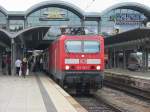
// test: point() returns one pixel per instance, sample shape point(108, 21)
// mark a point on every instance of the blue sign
point(126, 18)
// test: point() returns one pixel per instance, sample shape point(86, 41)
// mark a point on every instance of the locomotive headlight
point(98, 67)
point(67, 67)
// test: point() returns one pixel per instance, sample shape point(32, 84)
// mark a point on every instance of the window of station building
point(3, 21)
point(122, 19)
point(53, 16)
point(91, 26)
point(16, 25)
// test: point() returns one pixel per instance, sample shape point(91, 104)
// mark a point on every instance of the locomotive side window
point(73, 46)
point(91, 47)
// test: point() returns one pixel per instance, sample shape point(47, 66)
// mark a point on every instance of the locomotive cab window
point(91, 47)
point(72, 46)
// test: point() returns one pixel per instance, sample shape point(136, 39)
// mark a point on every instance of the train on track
point(76, 61)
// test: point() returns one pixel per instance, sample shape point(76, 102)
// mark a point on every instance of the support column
point(13, 56)
point(7, 27)
point(114, 58)
point(146, 60)
point(23, 46)
point(124, 59)
point(117, 60)
point(82, 22)
point(99, 27)
point(18, 52)
point(128, 53)
point(143, 60)
point(1, 60)
point(110, 59)
point(25, 23)
point(23, 54)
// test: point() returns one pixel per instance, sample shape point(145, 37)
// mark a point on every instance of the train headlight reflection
point(67, 67)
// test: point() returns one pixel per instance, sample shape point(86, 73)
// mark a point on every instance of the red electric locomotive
point(77, 62)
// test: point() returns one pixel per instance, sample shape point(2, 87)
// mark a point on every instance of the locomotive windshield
point(91, 46)
point(82, 46)
point(73, 46)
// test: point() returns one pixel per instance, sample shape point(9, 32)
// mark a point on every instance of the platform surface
point(34, 94)
point(134, 74)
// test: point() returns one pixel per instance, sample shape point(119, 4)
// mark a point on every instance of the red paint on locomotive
point(66, 65)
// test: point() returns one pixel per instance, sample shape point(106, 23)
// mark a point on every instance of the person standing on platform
point(24, 67)
point(18, 65)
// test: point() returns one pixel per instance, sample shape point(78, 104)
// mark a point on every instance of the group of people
point(21, 67)
point(34, 64)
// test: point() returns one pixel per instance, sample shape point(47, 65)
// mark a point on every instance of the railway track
point(129, 90)
point(92, 104)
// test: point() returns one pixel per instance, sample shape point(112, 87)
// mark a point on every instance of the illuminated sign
point(54, 15)
point(126, 18)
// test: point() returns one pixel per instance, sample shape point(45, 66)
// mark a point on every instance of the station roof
point(86, 5)
point(137, 6)
point(139, 36)
point(5, 41)
point(95, 10)
point(31, 37)
point(57, 3)
point(33, 33)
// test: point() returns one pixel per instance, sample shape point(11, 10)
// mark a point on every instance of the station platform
point(136, 74)
point(129, 79)
point(35, 93)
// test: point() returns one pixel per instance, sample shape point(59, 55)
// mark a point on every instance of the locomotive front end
point(84, 63)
